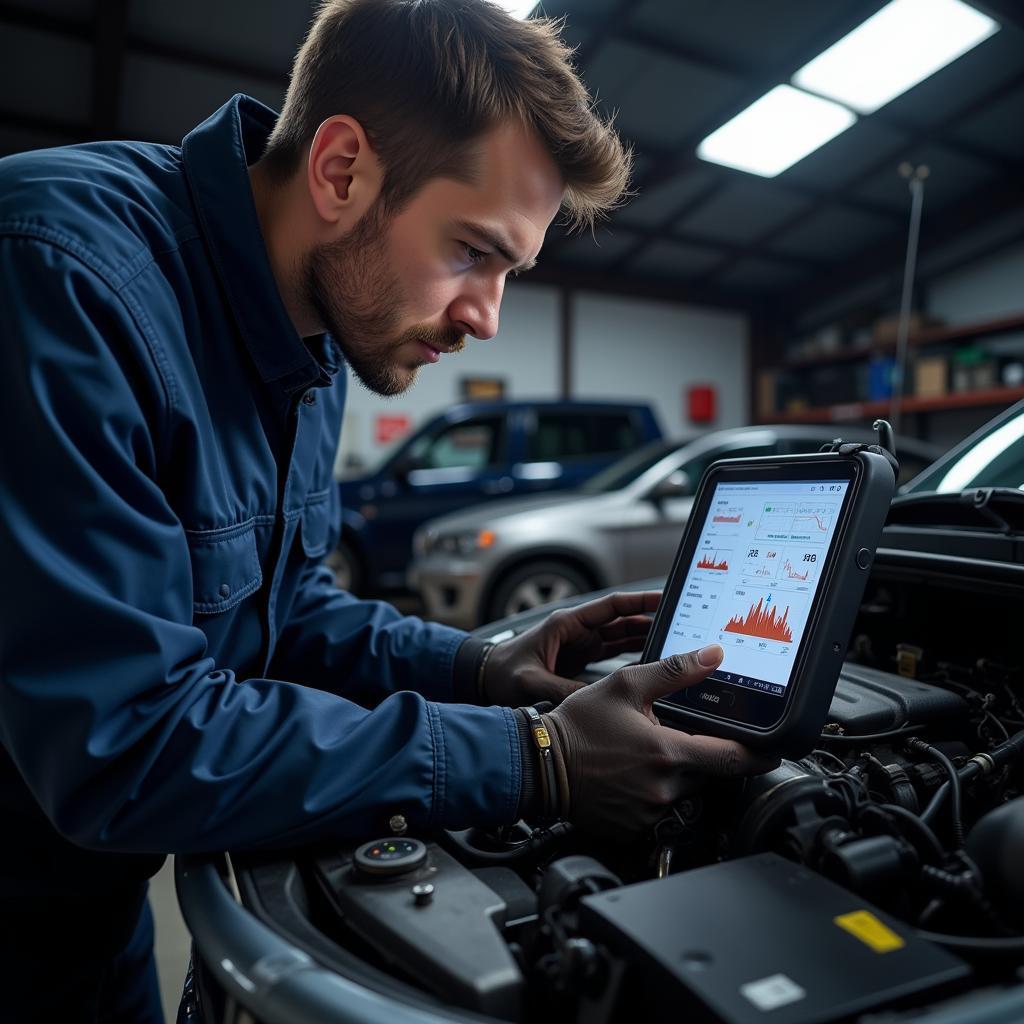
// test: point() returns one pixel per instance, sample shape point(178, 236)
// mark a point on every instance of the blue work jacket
point(177, 671)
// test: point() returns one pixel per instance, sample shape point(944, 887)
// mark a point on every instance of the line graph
point(762, 621)
point(789, 572)
point(721, 518)
point(795, 521)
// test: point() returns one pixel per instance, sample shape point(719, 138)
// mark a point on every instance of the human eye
point(473, 254)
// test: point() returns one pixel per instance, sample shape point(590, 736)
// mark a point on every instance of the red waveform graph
point(792, 574)
point(822, 523)
point(707, 562)
point(762, 622)
point(721, 518)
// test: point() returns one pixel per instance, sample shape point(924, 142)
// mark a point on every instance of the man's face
point(397, 294)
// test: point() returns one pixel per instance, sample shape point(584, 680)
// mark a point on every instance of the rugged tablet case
point(827, 633)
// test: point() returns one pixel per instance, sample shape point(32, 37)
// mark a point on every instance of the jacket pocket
point(316, 523)
point(225, 567)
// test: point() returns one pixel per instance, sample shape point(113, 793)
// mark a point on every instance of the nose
point(475, 310)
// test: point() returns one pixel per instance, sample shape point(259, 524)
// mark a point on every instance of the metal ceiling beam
point(606, 28)
point(606, 283)
point(684, 155)
point(724, 176)
point(887, 256)
point(933, 133)
point(677, 214)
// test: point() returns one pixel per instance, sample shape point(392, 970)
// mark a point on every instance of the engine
point(881, 876)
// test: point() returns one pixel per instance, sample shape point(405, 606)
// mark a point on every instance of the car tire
point(346, 566)
point(534, 584)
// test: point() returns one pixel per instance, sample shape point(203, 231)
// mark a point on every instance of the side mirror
point(675, 485)
point(403, 466)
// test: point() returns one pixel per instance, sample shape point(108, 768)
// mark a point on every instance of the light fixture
point(783, 126)
point(518, 8)
point(899, 46)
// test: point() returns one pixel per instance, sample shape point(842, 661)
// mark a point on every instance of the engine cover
point(758, 939)
point(868, 701)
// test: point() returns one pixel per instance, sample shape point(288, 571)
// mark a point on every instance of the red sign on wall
point(701, 401)
point(391, 428)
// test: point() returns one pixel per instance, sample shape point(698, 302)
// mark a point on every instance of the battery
point(760, 940)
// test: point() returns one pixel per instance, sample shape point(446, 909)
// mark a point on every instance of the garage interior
point(722, 297)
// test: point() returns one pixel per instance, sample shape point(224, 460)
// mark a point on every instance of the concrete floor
point(172, 939)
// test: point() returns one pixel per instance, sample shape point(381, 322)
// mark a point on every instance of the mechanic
point(177, 671)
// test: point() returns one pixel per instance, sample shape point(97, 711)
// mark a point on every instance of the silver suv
point(624, 524)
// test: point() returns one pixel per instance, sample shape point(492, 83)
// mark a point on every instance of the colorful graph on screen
point(723, 518)
point(762, 621)
point(790, 572)
point(714, 562)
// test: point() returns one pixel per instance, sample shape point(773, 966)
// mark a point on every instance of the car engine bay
point(880, 877)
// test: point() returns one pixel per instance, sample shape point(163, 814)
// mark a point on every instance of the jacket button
point(225, 590)
point(309, 398)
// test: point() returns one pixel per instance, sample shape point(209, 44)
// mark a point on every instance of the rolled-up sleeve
point(127, 732)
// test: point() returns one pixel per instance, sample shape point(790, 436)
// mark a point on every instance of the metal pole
point(916, 176)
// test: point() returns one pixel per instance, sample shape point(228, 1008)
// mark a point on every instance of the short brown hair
point(426, 78)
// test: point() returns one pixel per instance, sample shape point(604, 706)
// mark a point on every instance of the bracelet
point(480, 698)
point(549, 782)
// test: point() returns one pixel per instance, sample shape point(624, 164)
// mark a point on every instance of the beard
point(349, 284)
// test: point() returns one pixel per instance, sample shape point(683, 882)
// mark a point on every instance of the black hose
point(1001, 756)
point(925, 835)
point(956, 792)
point(976, 943)
point(874, 737)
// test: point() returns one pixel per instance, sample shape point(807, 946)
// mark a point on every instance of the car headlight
point(466, 542)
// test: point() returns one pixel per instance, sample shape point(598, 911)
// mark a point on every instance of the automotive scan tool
point(772, 566)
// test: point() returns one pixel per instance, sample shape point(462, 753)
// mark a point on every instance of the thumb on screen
point(657, 679)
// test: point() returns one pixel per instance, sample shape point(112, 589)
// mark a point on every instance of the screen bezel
point(715, 698)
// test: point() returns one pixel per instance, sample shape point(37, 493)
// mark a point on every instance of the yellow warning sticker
point(863, 925)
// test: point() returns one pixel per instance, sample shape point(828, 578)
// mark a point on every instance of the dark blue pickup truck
point(469, 454)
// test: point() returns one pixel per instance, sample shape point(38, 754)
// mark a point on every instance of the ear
point(343, 174)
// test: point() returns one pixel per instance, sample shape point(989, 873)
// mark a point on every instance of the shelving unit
point(927, 338)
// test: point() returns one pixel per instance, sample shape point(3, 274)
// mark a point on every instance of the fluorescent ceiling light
point(901, 45)
point(518, 8)
point(783, 126)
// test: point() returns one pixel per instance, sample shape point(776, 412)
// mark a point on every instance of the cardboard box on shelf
point(886, 328)
point(767, 400)
point(931, 375)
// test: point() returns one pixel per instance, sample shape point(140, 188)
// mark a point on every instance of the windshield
point(626, 470)
point(994, 457)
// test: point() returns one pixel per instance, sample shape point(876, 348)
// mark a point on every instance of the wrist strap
point(548, 776)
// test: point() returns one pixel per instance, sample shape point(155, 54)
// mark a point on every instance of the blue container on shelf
point(881, 370)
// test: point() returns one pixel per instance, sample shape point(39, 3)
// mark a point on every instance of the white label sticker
point(772, 992)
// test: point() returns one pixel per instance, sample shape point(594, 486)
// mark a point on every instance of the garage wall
point(984, 290)
point(653, 351)
point(621, 348)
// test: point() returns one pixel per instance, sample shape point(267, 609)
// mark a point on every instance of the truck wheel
point(344, 563)
point(535, 584)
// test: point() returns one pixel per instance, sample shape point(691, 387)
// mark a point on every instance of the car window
point(625, 470)
point(695, 467)
point(472, 444)
point(993, 458)
point(563, 436)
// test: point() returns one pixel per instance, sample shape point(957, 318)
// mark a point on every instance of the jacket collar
point(216, 155)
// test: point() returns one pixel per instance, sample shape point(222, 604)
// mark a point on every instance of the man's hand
point(540, 664)
point(624, 768)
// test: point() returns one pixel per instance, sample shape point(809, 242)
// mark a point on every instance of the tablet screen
point(754, 576)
